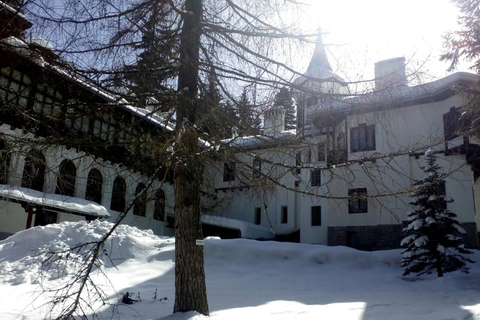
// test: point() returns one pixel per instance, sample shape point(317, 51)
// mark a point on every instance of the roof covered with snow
point(398, 96)
point(248, 230)
point(21, 47)
point(14, 13)
point(54, 202)
point(264, 141)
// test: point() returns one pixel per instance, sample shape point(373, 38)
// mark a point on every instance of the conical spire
point(319, 64)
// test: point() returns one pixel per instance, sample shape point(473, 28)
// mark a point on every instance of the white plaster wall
point(13, 217)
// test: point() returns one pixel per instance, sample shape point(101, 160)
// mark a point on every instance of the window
point(454, 124)
point(258, 215)
point(298, 162)
point(358, 202)
point(316, 177)
point(284, 214)
point(4, 161)
point(362, 138)
point(257, 168)
point(66, 179)
point(316, 216)
point(118, 194)
point(321, 152)
point(34, 171)
point(159, 209)
point(140, 205)
point(309, 155)
point(229, 171)
point(94, 186)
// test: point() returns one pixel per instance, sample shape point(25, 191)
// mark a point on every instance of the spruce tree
point(434, 239)
point(147, 77)
point(249, 122)
point(284, 98)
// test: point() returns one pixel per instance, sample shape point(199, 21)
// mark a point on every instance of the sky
point(360, 33)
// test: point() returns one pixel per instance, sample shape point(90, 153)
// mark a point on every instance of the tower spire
point(319, 63)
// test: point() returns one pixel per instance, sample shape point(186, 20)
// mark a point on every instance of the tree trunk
point(190, 288)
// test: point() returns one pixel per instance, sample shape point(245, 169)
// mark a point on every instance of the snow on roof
point(53, 201)
point(22, 48)
point(248, 230)
point(14, 12)
point(261, 140)
point(397, 95)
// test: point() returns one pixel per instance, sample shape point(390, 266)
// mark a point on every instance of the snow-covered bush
point(433, 238)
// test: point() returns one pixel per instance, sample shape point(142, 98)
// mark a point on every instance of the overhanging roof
point(53, 202)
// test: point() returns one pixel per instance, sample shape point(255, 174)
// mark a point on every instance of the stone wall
point(383, 237)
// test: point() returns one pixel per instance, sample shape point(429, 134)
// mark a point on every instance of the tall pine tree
point(434, 239)
point(284, 98)
point(249, 122)
point(147, 77)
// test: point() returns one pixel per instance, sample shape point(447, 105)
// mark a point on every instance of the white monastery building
point(343, 177)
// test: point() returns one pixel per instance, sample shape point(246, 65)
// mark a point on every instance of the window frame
point(363, 138)
point(315, 177)
point(357, 204)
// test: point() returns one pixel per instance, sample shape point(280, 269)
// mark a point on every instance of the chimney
point(390, 73)
point(274, 121)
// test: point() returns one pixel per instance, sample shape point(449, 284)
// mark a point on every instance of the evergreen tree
point(284, 98)
point(230, 117)
point(148, 76)
point(434, 235)
point(249, 121)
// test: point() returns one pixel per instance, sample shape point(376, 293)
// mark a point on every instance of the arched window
point(94, 186)
point(34, 171)
point(4, 161)
point(118, 194)
point(140, 205)
point(159, 209)
point(66, 179)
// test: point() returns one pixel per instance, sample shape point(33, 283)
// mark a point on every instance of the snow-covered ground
point(245, 279)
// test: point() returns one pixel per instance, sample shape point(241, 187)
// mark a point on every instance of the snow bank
point(23, 256)
point(246, 279)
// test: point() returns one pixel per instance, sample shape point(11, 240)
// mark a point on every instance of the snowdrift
point(246, 279)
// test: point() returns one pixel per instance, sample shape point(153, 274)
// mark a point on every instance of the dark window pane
point(140, 205)
point(34, 171)
point(284, 214)
point(229, 171)
point(316, 216)
point(159, 209)
point(4, 161)
point(66, 179)
point(94, 186)
point(315, 177)
point(118, 194)
point(258, 215)
point(358, 202)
